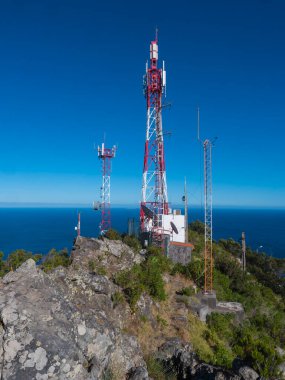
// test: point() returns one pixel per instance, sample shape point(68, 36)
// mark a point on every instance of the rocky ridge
point(65, 324)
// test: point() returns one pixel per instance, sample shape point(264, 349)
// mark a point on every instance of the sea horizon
point(39, 229)
point(131, 205)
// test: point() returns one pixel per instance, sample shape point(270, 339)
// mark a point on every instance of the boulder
point(62, 325)
point(248, 373)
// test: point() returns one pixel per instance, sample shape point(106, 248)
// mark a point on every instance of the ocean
point(40, 229)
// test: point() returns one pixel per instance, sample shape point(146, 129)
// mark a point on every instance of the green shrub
point(145, 277)
point(117, 299)
point(161, 321)
point(132, 242)
point(157, 371)
point(3, 266)
point(143, 318)
point(113, 234)
point(222, 325)
point(231, 246)
point(91, 265)
point(96, 268)
point(259, 352)
point(188, 291)
point(18, 257)
point(55, 259)
point(155, 368)
point(223, 356)
point(197, 226)
point(132, 283)
point(178, 268)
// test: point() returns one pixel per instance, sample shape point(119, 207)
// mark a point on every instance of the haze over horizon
point(72, 71)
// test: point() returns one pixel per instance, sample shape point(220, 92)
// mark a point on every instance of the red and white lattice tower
point(106, 155)
point(154, 187)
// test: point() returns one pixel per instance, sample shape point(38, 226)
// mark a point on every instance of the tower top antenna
point(156, 34)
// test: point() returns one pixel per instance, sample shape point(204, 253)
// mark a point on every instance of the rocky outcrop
point(73, 323)
point(63, 325)
point(112, 255)
point(180, 357)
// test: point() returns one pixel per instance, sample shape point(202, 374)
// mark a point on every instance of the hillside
point(111, 311)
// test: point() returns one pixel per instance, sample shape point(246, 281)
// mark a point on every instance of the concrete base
point(209, 299)
point(205, 304)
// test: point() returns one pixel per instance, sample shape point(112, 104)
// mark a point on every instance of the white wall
point(179, 222)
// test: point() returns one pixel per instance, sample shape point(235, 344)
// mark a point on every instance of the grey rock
point(209, 372)
point(62, 325)
point(204, 311)
point(113, 255)
point(139, 373)
point(248, 373)
point(181, 357)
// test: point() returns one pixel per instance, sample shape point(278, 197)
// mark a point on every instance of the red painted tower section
point(154, 187)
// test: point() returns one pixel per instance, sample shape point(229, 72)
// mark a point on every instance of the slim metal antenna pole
point(243, 260)
point(186, 211)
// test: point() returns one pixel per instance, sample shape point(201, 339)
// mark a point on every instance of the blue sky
point(71, 71)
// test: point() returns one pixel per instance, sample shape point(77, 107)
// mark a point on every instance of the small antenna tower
point(243, 245)
point(106, 155)
point(78, 227)
point(208, 213)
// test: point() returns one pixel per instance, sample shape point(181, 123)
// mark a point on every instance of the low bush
point(96, 268)
point(55, 259)
point(17, 258)
point(145, 277)
point(188, 291)
point(132, 242)
point(117, 298)
point(113, 234)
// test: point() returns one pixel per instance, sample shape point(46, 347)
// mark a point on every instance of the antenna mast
point(208, 255)
point(78, 225)
point(243, 259)
point(77, 228)
point(208, 212)
point(154, 187)
point(186, 211)
point(106, 155)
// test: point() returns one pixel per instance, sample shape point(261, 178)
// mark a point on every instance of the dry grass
point(165, 322)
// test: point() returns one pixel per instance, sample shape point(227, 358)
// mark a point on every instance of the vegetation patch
point(261, 292)
point(132, 242)
point(117, 299)
point(157, 370)
point(96, 267)
point(55, 259)
point(145, 277)
point(15, 260)
point(112, 234)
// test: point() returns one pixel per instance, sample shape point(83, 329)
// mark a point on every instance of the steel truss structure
point(154, 186)
point(106, 155)
point(208, 255)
